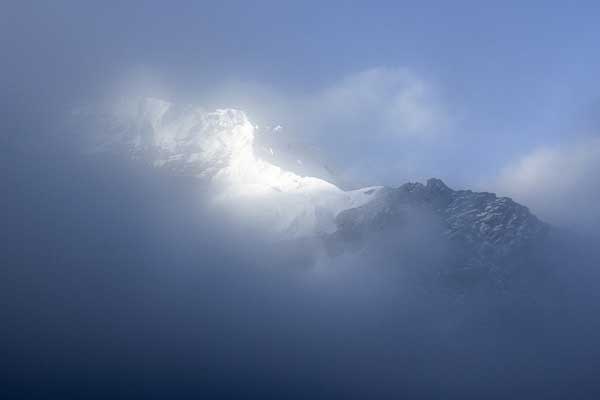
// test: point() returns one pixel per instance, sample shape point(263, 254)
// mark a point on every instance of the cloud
point(375, 122)
point(559, 183)
point(367, 125)
point(388, 100)
point(393, 101)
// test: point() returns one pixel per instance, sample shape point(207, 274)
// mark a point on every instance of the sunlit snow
point(219, 146)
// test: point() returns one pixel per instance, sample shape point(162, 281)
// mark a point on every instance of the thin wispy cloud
point(559, 182)
point(390, 101)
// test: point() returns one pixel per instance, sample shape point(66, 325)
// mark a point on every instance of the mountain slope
point(481, 233)
point(221, 149)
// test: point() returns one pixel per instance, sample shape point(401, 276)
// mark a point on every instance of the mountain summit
point(219, 148)
point(481, 231)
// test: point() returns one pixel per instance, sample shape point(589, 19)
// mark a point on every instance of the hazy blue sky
point(467, 91)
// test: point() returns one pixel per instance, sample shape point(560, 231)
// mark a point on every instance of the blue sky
point(491, 83)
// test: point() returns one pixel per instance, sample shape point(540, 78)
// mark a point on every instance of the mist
point(121, 279)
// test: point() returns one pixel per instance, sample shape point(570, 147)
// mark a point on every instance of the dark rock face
point(483, 231)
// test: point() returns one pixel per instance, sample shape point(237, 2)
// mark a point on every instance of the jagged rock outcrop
point(483, 230)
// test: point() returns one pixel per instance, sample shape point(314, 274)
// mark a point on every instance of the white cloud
point(387, 100)
point(561, 184)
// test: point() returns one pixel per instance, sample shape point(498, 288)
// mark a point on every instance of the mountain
point(220, 149)
point(481, 231)
point(225, 150)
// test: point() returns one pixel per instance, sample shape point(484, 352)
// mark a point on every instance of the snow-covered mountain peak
point(190, 139)
point(219, 147)
point(227, 152)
